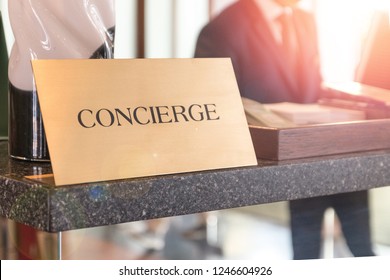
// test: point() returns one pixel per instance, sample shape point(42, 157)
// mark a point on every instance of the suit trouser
point(306, 216)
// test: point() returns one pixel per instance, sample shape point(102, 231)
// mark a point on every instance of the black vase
point(47, 29)
point(3, 82)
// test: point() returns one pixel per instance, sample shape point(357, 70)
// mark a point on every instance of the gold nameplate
point(116, 119)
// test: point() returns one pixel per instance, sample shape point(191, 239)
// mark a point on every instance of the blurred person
point(149, 234)
point(274, 51)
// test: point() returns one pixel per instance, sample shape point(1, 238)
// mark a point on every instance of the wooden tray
point(320, 140)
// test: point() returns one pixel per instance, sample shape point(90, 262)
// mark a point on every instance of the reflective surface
point(254, 233)
point(116, 202)
point(44, 30)
point(3, 82)
point(27, 136)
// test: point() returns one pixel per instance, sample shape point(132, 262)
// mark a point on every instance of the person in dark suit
point(272, 65)
point(242, 33)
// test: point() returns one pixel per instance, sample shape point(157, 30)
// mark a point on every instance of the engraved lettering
point(111, 118)
point(179, 110)
point(161, 112)
point(152, 115)
point(126, 117)
point(80, 119)
point(211, 112)
point(137, 118)
point(198, 112)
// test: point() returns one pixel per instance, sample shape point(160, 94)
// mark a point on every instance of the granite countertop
point(54, 209)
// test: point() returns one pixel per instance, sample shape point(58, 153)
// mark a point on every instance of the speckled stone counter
point(54, 209)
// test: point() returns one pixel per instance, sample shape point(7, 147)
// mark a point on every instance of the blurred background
point(354, 39)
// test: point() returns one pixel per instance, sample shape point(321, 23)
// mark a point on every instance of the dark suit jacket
point(241, 33)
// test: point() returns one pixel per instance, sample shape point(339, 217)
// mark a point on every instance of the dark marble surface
point(54, 209)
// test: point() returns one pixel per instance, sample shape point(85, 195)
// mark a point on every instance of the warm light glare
point(360, 5)
point(365, 4)
point(343, 26)
point(378, 4)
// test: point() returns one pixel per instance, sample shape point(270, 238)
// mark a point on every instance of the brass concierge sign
point(126, 118)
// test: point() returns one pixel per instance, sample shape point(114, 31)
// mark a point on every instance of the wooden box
point(320, 140)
